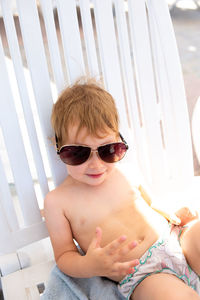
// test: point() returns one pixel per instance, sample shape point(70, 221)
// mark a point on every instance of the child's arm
point(97, 261)
point(181, 217)
point(171, 217)
point(58, 226)
point(137, 180)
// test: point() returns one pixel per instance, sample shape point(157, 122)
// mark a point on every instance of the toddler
point(112, 219)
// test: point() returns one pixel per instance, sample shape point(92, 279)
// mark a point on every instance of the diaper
point(164, 256)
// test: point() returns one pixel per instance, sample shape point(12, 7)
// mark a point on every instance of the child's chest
point(89, 211)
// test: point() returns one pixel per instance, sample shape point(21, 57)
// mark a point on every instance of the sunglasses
point(75, 155)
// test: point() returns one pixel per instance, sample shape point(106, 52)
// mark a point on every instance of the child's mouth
point(95, 175)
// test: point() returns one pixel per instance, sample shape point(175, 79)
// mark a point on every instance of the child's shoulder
point(60, 192)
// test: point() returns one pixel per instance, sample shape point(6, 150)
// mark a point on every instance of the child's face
point(94, 171)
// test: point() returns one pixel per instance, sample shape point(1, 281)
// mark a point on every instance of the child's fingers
point(174, 219)
point(124, 250)
point(114, 245)
point(126, 267)
point(98, 236)
point(96, 241)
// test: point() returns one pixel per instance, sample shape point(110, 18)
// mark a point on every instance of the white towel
point(63, 287)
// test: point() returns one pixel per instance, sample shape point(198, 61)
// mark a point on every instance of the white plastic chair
point(131, 45)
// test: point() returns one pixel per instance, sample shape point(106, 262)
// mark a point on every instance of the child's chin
point(96, 182)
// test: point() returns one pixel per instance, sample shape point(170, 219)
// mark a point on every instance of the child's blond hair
point(87, 105)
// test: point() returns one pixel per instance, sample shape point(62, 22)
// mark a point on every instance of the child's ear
point(52, 140)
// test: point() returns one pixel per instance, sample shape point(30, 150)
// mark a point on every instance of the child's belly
point(145, 240)
point(135, 219)
point(142, 228)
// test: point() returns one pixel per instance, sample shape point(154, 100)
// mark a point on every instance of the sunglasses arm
point(57, 150)
point(123, 140)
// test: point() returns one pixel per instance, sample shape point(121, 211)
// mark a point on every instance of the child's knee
point(192, 295)
point(186, 294)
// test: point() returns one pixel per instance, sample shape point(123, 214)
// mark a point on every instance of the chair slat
point(164, 96)
point(16, 59)
point(129, 83)
point(11, 240)
point(71, 39)
point(176, 86)
point(7, 243)
point(147, 92)
point(126, 63)
point(109, 56)
point(89, 38)
point(15, 149)
point(47, 10)
point(6, 201)
point(31, 234)
point(35, 54)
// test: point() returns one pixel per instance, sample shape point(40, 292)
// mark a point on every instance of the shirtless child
point(123, 238)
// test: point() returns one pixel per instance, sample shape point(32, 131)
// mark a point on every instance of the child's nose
point(94, 159)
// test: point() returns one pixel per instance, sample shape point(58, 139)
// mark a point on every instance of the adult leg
point(163, 286)
point(190, 244)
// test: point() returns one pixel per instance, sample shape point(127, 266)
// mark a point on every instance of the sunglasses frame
point(92, 150)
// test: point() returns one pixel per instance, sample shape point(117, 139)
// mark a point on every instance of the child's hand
point(106, 261)
point(186, 215)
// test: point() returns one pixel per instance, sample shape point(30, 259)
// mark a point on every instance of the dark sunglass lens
point(74, 155)
point(113, 152)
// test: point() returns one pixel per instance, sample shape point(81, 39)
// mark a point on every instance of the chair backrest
point(130, 44)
